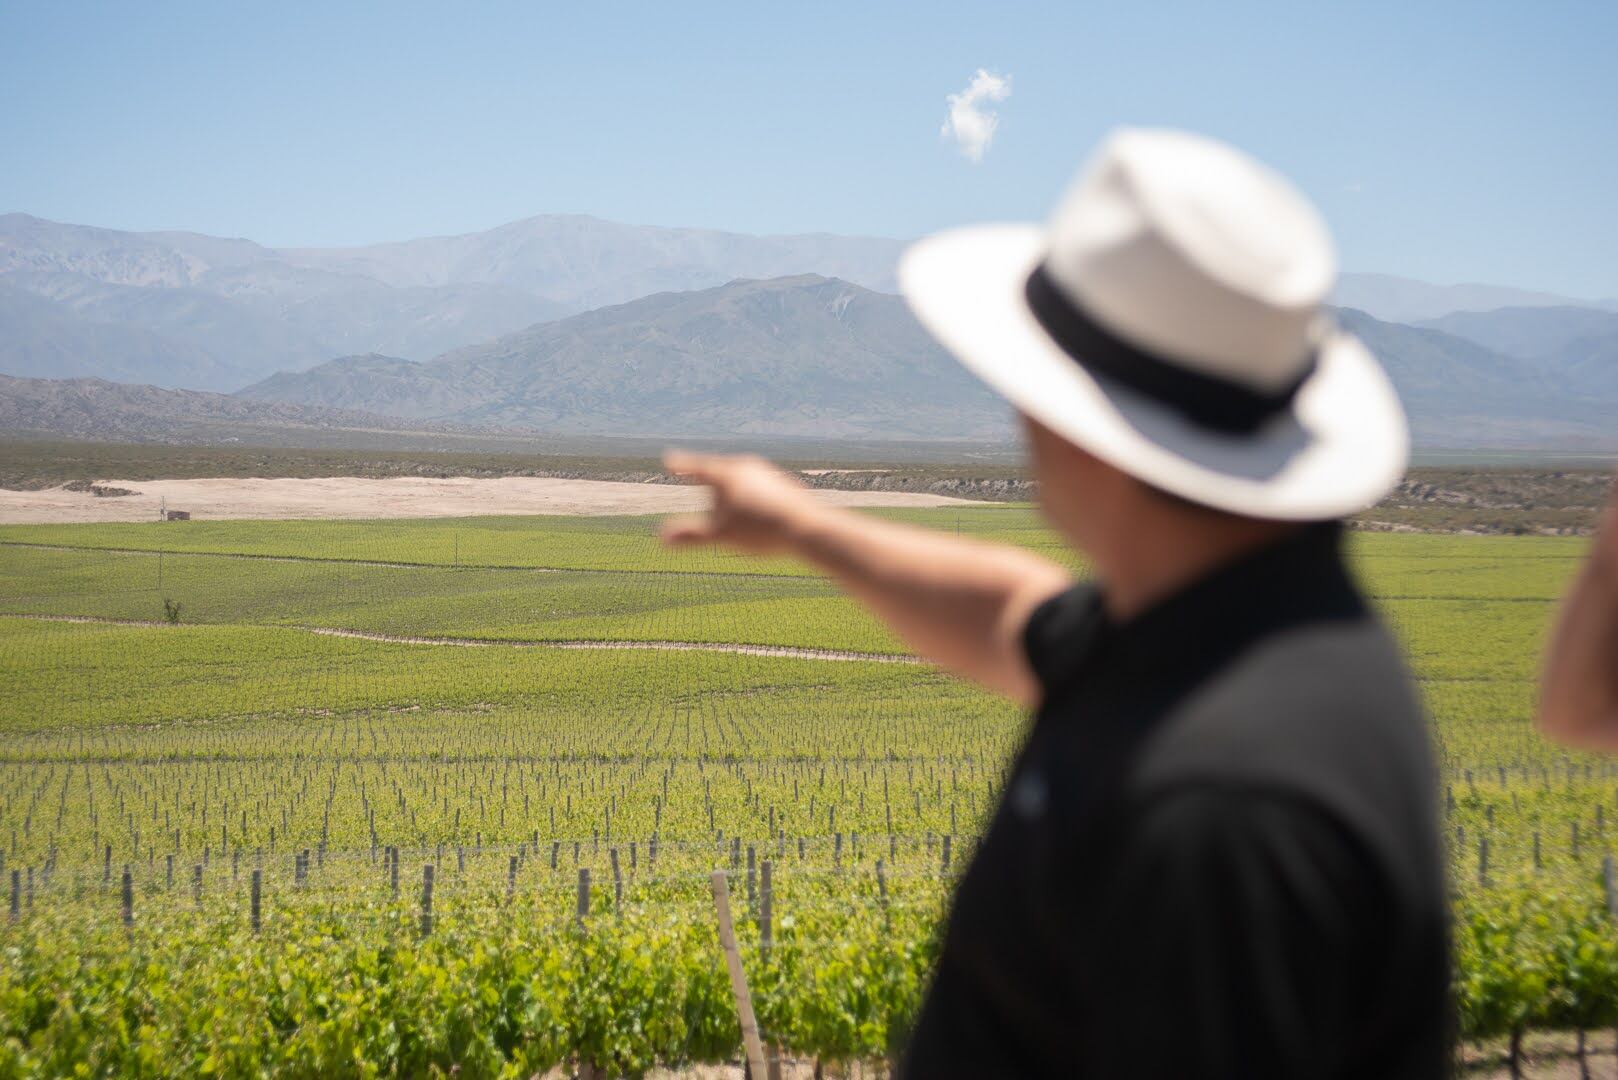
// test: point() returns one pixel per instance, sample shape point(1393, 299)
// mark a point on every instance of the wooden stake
point(766, 909)
point(427, 900)
point(738, 977)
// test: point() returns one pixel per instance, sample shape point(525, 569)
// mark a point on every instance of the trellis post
point(766, 909)
point(617, 883)
point(738, 977)
point(427, 900)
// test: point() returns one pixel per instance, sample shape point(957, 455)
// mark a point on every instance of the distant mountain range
point(98, 409)
point(804, 355)
point(584, 262)
point(575, 325)
point(1462, 394)
point(1576, 345)
point(1399, 299)
point(815, 356)
point(200, 312)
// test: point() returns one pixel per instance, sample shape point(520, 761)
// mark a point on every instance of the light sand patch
point(842, 472)
point(392, 497)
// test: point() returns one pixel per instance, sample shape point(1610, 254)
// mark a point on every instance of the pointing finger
point(686, 530)
point(701, 467)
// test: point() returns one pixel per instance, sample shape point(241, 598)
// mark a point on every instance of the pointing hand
point(757, 508)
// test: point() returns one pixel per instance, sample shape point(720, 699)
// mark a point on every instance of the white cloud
point(969, 123)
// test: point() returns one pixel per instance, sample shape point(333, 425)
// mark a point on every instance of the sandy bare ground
point(393, 497)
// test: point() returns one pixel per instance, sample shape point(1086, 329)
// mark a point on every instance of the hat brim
point(1340, 447)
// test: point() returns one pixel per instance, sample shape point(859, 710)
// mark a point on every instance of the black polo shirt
point(1217, 853)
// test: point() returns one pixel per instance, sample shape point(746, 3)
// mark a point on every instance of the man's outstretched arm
point(960, 603)
point(1579, 698)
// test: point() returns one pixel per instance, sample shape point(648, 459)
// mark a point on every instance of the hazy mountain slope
point(243, 306)
point(241, 341)
point(1528, 331)
point(415, 322)
point(587, 262)
point(111, 256)
point(1399, 299)
point(1591, 363)
point(44, 338)
point(788, 352)
point(803, 355)
point(1576, 348)
point(1424, 362)
point(383, 384)
point(96, 408)
point(1460, 394)
point(816, 356)
point(798, 357)
point(275, 311)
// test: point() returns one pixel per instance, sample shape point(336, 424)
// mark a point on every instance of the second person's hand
point(757, 508)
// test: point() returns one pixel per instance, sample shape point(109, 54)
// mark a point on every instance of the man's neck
point(1167, 556)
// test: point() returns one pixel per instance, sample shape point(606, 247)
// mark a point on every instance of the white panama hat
point(1170, 321)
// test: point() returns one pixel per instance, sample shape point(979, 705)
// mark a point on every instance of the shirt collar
point(1299, 577)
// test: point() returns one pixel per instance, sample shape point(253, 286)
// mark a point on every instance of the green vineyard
point(404, 798)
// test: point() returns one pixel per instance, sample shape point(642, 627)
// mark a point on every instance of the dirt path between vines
point(795, 651)
point(259, 557)
point(735, 648)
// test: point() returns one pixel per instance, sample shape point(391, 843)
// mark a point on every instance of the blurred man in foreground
point(1217, 854)
point(1579, 699)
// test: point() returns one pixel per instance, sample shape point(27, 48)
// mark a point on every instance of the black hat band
point(1205, 400)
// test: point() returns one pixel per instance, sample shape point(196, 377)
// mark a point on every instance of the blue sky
point(1451, 142)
